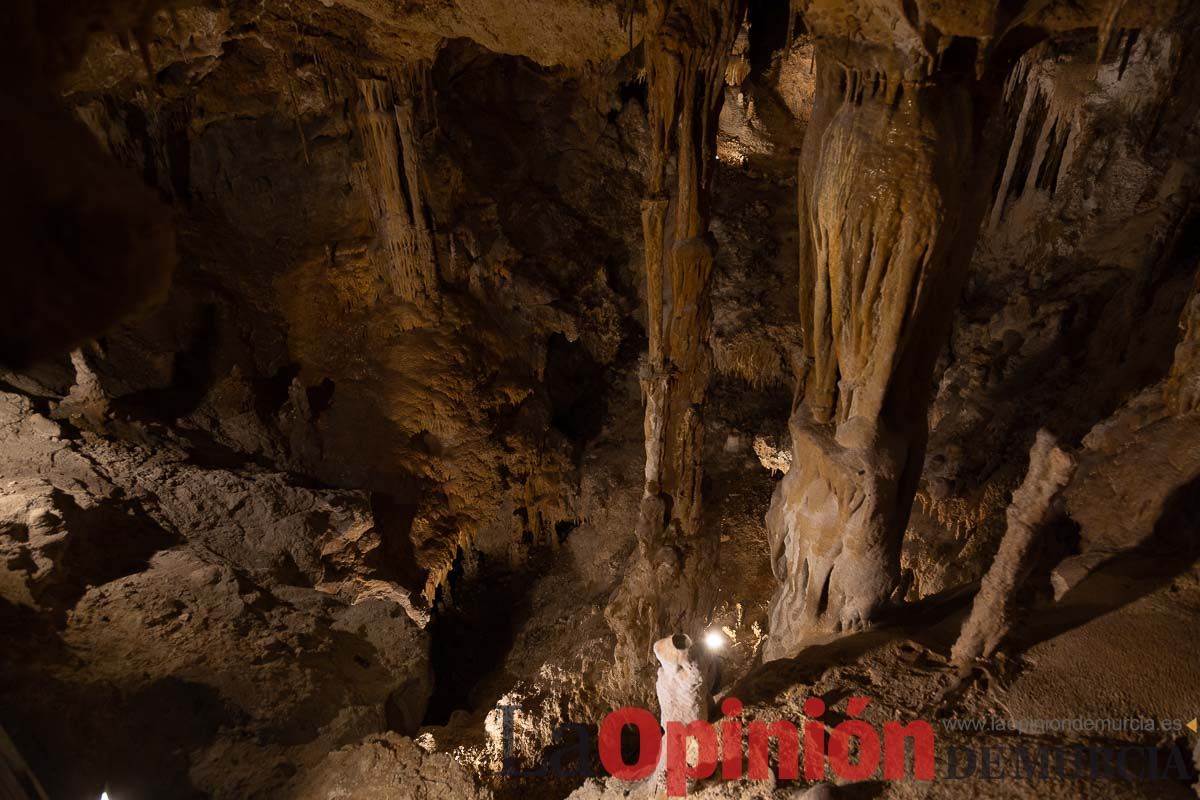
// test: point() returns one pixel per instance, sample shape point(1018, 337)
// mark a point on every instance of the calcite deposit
point(381, 381)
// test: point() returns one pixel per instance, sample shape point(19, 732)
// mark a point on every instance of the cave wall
point(377, 365)
point(376, 454)
point(1077, 285)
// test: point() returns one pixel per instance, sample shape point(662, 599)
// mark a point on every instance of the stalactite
point(688, 43)
point(1107, 25)
point(295, 110)
point(1027, 104)
point(393, 174)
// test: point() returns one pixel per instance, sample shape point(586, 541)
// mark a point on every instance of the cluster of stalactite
point(386, 124)
point(687, 48)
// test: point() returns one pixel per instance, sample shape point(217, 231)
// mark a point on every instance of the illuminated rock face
point(396, 325)
point(902, 143)
point(474, 377)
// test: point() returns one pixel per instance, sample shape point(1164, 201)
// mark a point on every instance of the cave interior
point(391, 391)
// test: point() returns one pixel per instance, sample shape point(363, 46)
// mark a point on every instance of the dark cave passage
point(471, 633)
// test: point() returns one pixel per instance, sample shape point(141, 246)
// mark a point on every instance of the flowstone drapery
point(884, 225)
point(393, 174)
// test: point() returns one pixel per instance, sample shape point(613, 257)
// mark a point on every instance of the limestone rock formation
point(687, 47)
point(93, 242)
point(382, 380)
point(387, 767)
point(991, 619)
point(881, 271)
point(145, 568)
point(881, 266)
point(1144, 458)
point(1059, 325)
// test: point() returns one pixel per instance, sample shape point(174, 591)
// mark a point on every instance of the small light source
point(104, 796)
point(714, 640)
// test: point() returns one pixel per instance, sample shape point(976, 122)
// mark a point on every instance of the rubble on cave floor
point(1100, 661)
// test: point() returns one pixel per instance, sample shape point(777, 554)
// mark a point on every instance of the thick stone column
point(687, 47)
point(890, 203)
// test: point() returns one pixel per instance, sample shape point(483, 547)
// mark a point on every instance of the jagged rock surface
point(868, 553)
point(388, 767)
point(1077, 284)
point(146, 569)
point(388, 411)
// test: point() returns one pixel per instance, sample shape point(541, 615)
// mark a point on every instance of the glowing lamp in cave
point(714, 640)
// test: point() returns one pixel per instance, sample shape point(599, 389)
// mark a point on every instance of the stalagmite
point(681, 685)
point(682, 688)
point(687, 48)
point(1050, 469)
